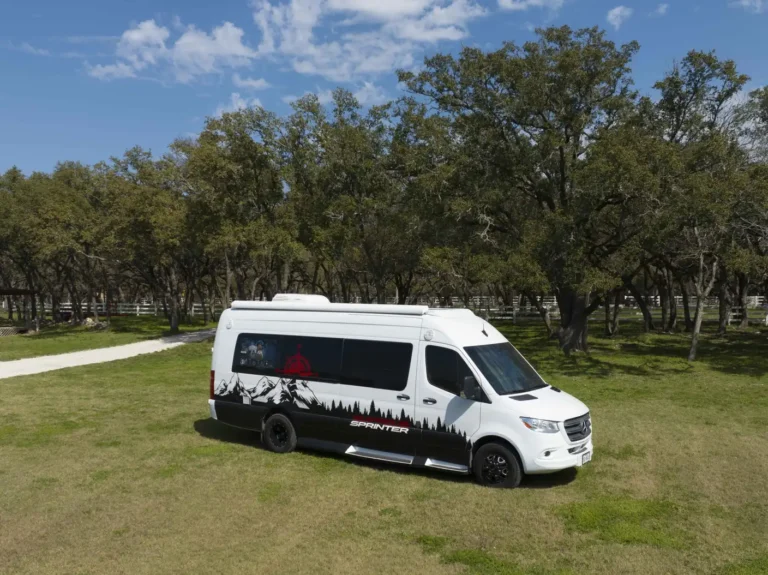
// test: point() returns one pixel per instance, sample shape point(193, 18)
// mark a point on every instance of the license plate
point(586, 458)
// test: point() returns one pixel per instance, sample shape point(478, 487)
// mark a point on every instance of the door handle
point(403, 397)
point(430, 401)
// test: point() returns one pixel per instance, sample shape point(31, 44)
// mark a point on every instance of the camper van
point(405, 384)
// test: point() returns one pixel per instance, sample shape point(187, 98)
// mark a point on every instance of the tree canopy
point(525, 171)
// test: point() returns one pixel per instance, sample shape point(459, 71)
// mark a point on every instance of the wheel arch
point(485, 440)
point(274, 410)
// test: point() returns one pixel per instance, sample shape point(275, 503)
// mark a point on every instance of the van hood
point(545, 403)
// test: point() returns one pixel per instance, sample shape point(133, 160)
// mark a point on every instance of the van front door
point(447, 419)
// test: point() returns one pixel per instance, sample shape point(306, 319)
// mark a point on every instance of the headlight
point(540, 425)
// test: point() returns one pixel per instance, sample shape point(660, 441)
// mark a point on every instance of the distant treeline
point(534, 169)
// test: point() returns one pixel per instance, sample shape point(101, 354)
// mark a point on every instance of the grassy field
point(118, 469)
point(64, 338)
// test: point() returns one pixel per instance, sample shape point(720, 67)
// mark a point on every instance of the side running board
point(379, 455)
point(446, 466)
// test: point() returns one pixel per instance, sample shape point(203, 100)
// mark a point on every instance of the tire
point(279, 435)
point(494, 465)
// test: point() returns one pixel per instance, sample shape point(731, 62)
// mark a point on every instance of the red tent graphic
point(297, 366)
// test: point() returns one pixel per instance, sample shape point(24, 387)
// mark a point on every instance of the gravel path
point(45, 363)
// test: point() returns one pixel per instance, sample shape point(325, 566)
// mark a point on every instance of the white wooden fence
point(490, 305)
point(142, 308)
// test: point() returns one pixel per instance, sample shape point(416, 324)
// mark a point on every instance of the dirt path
point(45, 363)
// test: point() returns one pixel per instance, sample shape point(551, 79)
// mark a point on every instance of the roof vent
point(309, 298)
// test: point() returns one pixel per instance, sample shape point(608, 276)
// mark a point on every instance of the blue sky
point(85, 79)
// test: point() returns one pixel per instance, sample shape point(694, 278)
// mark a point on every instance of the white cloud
point(518, 5)
point(325, 96)
point(661, 10)
point(387, 9)
point(111, 71)
point(756, 6)
point(439, 23)
point(236, 102)
point(617, 16)
point(143, 45)
point(370, 95)
point(28, 48)
point(197, 52)
point(250, 83)
point(193, 54)
point(388, 34)
point(340, 40)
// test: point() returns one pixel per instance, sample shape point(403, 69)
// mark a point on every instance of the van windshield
point(504, 368)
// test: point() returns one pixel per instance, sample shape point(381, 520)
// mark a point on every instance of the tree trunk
point(743, 294)
point(95, 306)
point(228, 290)
point(575, 310)
point(672, 325)
point(647, 317)
point(616, 310)
point(703, 287)
point(381, 293)
point(725, 303)
point(55, 309)
point(696, 328)
point(686, 307)
point(174, 315)
point(543, 311)
point(107, 303)
point(608, 322)
point(35, 317)
point(9, 301)
point(664, 301)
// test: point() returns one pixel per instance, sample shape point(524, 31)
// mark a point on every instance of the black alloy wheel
point(495, 465)
point(279, 435)
point(495, 469)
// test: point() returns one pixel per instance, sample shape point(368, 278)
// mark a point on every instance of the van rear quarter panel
point(375, 327)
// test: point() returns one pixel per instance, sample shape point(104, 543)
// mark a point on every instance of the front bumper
point(559, 456)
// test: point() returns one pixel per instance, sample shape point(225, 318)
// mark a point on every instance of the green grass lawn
point(117, 468)
point(64, 338)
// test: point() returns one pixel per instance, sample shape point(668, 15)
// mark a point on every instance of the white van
point(436, 388)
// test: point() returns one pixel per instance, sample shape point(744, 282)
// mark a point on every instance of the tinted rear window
point(364, 363)
point(377, 364)
point(317, 358)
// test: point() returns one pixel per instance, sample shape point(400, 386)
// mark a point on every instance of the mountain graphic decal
point(269, 390)
point(293, 389)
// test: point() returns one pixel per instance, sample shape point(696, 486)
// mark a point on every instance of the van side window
point(301, 357)
point(446, 369)
point(258, 354)
point(377, 364)
point(315, 358)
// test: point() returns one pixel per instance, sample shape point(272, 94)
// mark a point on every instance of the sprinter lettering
point(378, 426)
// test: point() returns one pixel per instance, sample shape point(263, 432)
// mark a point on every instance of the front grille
point(578, 428)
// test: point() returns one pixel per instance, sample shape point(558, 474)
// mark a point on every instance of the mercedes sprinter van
point(436, 388)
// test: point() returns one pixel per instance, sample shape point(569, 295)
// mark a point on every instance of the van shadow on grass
point(212, 429)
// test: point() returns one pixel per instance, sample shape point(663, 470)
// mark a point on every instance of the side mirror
point(471, 388)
